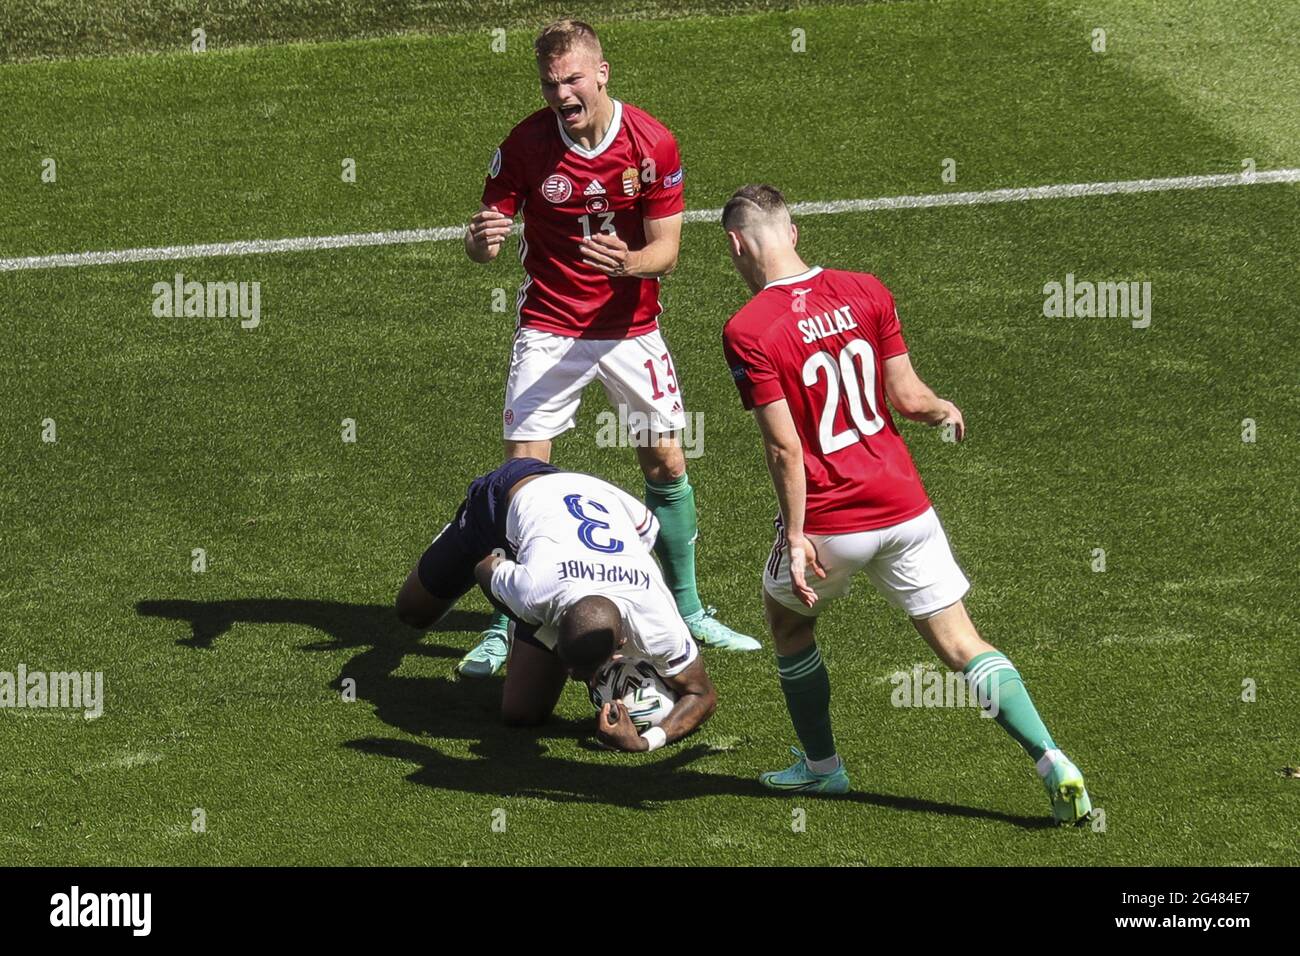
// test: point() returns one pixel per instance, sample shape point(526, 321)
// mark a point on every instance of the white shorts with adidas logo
point(548, 373)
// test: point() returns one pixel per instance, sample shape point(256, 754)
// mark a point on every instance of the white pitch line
point(252, 247)
point(1068, 191)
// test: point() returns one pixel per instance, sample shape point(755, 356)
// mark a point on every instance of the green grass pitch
point(223, 688)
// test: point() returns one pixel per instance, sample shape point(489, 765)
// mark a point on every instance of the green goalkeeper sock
point(673, 503)
point(997, 684)
point(807, 689)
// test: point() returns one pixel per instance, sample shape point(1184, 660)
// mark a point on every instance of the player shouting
point(569, 556)
point(815, 354)
point(599, 185)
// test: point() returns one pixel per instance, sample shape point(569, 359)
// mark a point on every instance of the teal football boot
point(487, 657)
point(797, 778)
point(708, 630)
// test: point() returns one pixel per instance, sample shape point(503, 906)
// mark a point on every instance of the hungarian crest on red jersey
point(557, 188)
point(631, 181)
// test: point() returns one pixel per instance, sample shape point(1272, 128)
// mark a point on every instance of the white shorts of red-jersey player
point(548, 373)
point(909, 563)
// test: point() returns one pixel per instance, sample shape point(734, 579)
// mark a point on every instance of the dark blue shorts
point(446, 568)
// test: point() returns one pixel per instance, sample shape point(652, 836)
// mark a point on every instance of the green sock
point(992, 677)
point(673, 503)
point(807, 689)
point(499, 623)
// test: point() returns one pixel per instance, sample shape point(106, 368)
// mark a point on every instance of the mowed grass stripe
point(832, 207)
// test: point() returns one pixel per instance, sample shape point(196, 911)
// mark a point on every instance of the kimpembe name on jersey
point(602, 573)
point(575, 535)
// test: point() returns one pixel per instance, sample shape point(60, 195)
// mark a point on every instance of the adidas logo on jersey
point(595, 189)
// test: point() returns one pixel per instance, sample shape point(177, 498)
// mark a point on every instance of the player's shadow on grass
point(626, 781)
point(434, 706)
point(504, 761)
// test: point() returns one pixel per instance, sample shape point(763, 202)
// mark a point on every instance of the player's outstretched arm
point(486, 234)
point(696, 701)
point(784, 453)
point(915, 400)
point(663, 244)
point(483, 574)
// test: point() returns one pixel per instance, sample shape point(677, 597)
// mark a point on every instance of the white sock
point(823, 766)
point(1047, 761)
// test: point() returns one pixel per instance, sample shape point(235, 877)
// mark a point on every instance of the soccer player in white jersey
point(598, 183)
point(815, 354)
point(569, 558)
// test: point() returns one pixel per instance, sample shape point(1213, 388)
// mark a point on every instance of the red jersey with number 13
point(566, 192)
point(819, 341)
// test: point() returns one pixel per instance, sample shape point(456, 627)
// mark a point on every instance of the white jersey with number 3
point(574, 536)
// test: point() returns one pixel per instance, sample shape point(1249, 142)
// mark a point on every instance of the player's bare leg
point(534, 681)
point(952, 635)
point(417, 607)
point(489, 654)
point(539, 449)
point(807, 689)
point(668, 493)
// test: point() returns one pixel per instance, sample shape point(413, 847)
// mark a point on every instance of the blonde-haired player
point(599, 185)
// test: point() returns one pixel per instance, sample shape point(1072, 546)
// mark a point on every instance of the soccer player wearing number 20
point(815, 354)
point(599, 186)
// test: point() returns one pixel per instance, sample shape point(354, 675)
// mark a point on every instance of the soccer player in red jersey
point(815, 354)
point(599, 185)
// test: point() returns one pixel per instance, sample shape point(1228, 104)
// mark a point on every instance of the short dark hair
point(558, 38)
point(759, 197)
point(589, 632)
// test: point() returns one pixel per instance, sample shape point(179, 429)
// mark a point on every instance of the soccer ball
point(640, 689)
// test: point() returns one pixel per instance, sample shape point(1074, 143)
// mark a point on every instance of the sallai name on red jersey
point(566, 192)
point(820, 341)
